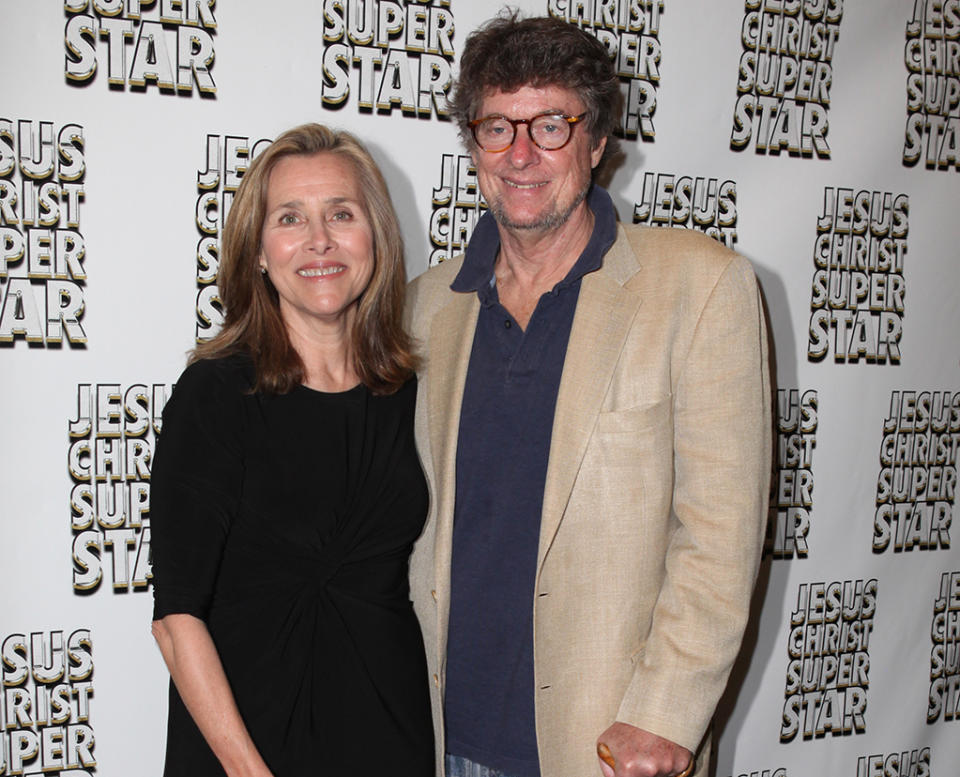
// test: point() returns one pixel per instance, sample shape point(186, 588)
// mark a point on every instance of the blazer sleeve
point(722, 448)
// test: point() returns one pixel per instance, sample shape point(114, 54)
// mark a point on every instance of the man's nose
point(523, 150)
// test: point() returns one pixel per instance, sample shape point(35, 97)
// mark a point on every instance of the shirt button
point(507, 324)
point(436, 681)
point(433, 593)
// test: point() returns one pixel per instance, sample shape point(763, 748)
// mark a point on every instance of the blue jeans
point(457, 766)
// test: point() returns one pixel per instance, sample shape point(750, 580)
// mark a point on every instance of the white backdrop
point(820, 138)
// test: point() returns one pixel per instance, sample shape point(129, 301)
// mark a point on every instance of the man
point(593, 421)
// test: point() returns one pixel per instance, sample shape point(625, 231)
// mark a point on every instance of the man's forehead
point(546, 97)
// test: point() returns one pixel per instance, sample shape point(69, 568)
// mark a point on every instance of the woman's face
point(317, 242)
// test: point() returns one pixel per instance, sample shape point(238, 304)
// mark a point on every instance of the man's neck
point(531, 262)
point(534, 257)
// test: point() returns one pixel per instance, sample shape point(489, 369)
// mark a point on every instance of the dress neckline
point(355, 391)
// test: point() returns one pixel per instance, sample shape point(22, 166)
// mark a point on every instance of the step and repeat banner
point(820, 138)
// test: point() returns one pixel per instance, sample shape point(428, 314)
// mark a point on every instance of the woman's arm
point(196, 670)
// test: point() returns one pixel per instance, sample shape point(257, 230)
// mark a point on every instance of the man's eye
point(549, 125)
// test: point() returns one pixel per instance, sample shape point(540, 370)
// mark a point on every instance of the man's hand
point(639, 753)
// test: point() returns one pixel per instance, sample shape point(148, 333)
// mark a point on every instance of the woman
point(287, 491)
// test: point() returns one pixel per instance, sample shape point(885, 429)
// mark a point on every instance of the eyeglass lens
point(549, 131)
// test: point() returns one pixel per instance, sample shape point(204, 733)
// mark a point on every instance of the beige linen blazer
point(655, 499)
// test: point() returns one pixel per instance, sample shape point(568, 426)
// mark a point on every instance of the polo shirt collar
point(476, 273)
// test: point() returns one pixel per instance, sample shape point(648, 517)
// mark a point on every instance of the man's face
point(526, 187)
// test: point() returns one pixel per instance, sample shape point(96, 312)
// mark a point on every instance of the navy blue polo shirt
point(503, 446)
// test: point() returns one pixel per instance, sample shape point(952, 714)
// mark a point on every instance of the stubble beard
point(551, 219)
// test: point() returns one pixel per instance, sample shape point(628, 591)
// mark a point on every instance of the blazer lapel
point(605, 311)
point(451, 341)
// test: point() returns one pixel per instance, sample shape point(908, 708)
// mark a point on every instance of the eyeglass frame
point(572, 121)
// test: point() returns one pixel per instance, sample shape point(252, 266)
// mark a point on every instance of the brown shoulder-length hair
point(382, 350)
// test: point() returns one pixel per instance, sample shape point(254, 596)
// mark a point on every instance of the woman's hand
point(195, 667)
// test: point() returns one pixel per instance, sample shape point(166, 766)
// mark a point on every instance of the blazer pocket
point(633, 446)
point(636, 420)
point(626, 467)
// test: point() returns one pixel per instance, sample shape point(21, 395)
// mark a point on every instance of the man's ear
point(597, 153)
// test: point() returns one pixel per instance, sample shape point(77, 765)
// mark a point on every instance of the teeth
point(320, 271)
point(525, 185)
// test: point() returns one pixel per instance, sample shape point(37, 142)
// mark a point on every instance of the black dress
point(286, 523)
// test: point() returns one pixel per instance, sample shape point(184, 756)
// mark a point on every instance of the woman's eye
point(288, 218)
point(342, 215)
